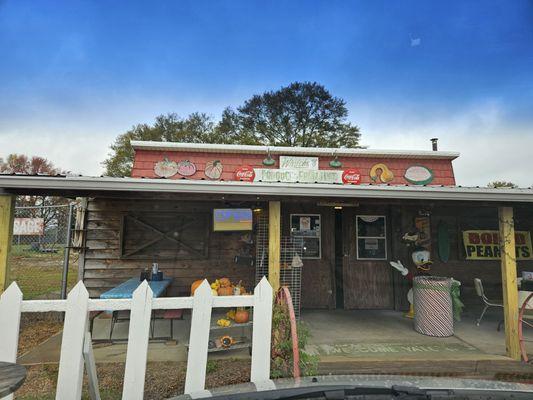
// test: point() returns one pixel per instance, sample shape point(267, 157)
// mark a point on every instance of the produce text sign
point(485, 245)
point(28, 226)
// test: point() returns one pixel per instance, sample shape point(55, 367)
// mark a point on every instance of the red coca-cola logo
point(245, 174)
point(352, 176)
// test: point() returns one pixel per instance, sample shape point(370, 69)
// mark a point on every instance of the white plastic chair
point(486, 302)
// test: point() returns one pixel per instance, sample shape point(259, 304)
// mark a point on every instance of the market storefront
point(325, 222)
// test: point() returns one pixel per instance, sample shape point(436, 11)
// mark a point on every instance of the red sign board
point(352, 176)
point(245, 173)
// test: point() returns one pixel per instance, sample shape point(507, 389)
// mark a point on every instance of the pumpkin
point(186, 168)
point(165, 168)
point(213, 169)
point(225, 291)
point(241, 316)
point(224, 282)
point(195, 285)
point(214, 292)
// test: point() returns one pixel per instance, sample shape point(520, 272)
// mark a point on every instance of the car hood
point(255, 390)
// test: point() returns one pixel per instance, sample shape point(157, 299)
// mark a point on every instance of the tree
point(36, 206)
point(502, 184)
point(22, 164)
point(301, 114)
point(196, 128)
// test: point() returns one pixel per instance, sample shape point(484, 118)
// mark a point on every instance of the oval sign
point(418, 175)
point(186, 168)
point(351, 176)
point(245, 173)
point(165, 168)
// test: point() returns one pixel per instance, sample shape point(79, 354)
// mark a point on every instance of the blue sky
point(74, 75)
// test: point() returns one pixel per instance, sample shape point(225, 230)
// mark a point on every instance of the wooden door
point(367, 283)
point(317, 278)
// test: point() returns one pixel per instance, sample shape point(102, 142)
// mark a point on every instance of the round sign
point(165, 168)
point(351, 176)
point(418, 175)
point(186, 168)
point(245, 173)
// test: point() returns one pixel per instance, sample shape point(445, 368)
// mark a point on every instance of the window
point(371, 237)
point(164, 236)
point(307, 227)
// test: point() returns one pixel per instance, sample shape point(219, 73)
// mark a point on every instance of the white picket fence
point(76, 346)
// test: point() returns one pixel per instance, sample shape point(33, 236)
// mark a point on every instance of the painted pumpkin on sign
point(166, 168)
point(213, 169)
point(186, 168)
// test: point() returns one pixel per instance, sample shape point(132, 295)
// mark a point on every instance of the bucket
point(433, 306)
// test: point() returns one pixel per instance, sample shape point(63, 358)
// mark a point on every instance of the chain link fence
point(40, 238)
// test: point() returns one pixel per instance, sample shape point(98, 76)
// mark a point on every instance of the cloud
point(492, 145)
point(415, 42)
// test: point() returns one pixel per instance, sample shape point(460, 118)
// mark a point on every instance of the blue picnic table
point(125, 289)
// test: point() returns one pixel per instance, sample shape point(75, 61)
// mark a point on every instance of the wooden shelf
point(233, 325)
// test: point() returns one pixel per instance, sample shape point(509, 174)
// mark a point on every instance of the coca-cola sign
point(351, 176)
point(245, 173)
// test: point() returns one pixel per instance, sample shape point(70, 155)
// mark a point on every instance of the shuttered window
point(164, 236)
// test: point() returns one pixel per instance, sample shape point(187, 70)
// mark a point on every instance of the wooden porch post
point(274, 243)
point(7, 211)
point(510, 289)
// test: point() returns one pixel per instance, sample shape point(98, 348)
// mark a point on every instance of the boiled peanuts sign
point(485, 245)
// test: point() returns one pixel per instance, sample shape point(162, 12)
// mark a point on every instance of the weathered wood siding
point(104, 268)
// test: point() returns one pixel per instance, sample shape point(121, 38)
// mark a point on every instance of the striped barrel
point(433, 306)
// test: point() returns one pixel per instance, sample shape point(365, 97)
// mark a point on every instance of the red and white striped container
point(433, 306)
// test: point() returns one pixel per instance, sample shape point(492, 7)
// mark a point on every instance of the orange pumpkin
point(242, 316)
point(224, 282)
point(225, 291)
point(195, 285)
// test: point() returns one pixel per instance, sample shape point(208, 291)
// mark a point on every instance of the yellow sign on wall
point(485, 245)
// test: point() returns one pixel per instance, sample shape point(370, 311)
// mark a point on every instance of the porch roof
point(87, 186)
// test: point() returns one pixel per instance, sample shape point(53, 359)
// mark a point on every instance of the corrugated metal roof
point(302, 151)
point(14, 183)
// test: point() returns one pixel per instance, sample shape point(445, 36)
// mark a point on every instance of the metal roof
point(308, 151)
point(84, 185)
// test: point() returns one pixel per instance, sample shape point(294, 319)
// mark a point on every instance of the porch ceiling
point(87, 186)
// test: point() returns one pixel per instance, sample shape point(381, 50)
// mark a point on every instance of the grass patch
point(39, 274)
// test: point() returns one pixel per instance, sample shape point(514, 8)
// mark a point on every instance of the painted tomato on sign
point(245, 173)
point(351, 176)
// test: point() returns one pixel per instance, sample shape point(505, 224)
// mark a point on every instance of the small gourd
point(242, 316)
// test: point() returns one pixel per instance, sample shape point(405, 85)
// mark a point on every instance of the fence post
point(10, 307)
point(90, 367)
point(66, 252)
point(141, 312)
point(262, 332)
point(70, 375)
point(199, 338)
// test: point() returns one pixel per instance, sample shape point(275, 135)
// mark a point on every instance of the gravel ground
point(34, 332)
point(163, 380)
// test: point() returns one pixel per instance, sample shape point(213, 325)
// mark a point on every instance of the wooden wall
point(104, 267)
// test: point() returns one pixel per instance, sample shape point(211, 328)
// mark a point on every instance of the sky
point(76, 74)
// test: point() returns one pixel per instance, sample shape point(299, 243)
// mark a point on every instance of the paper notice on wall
point(305, 223)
